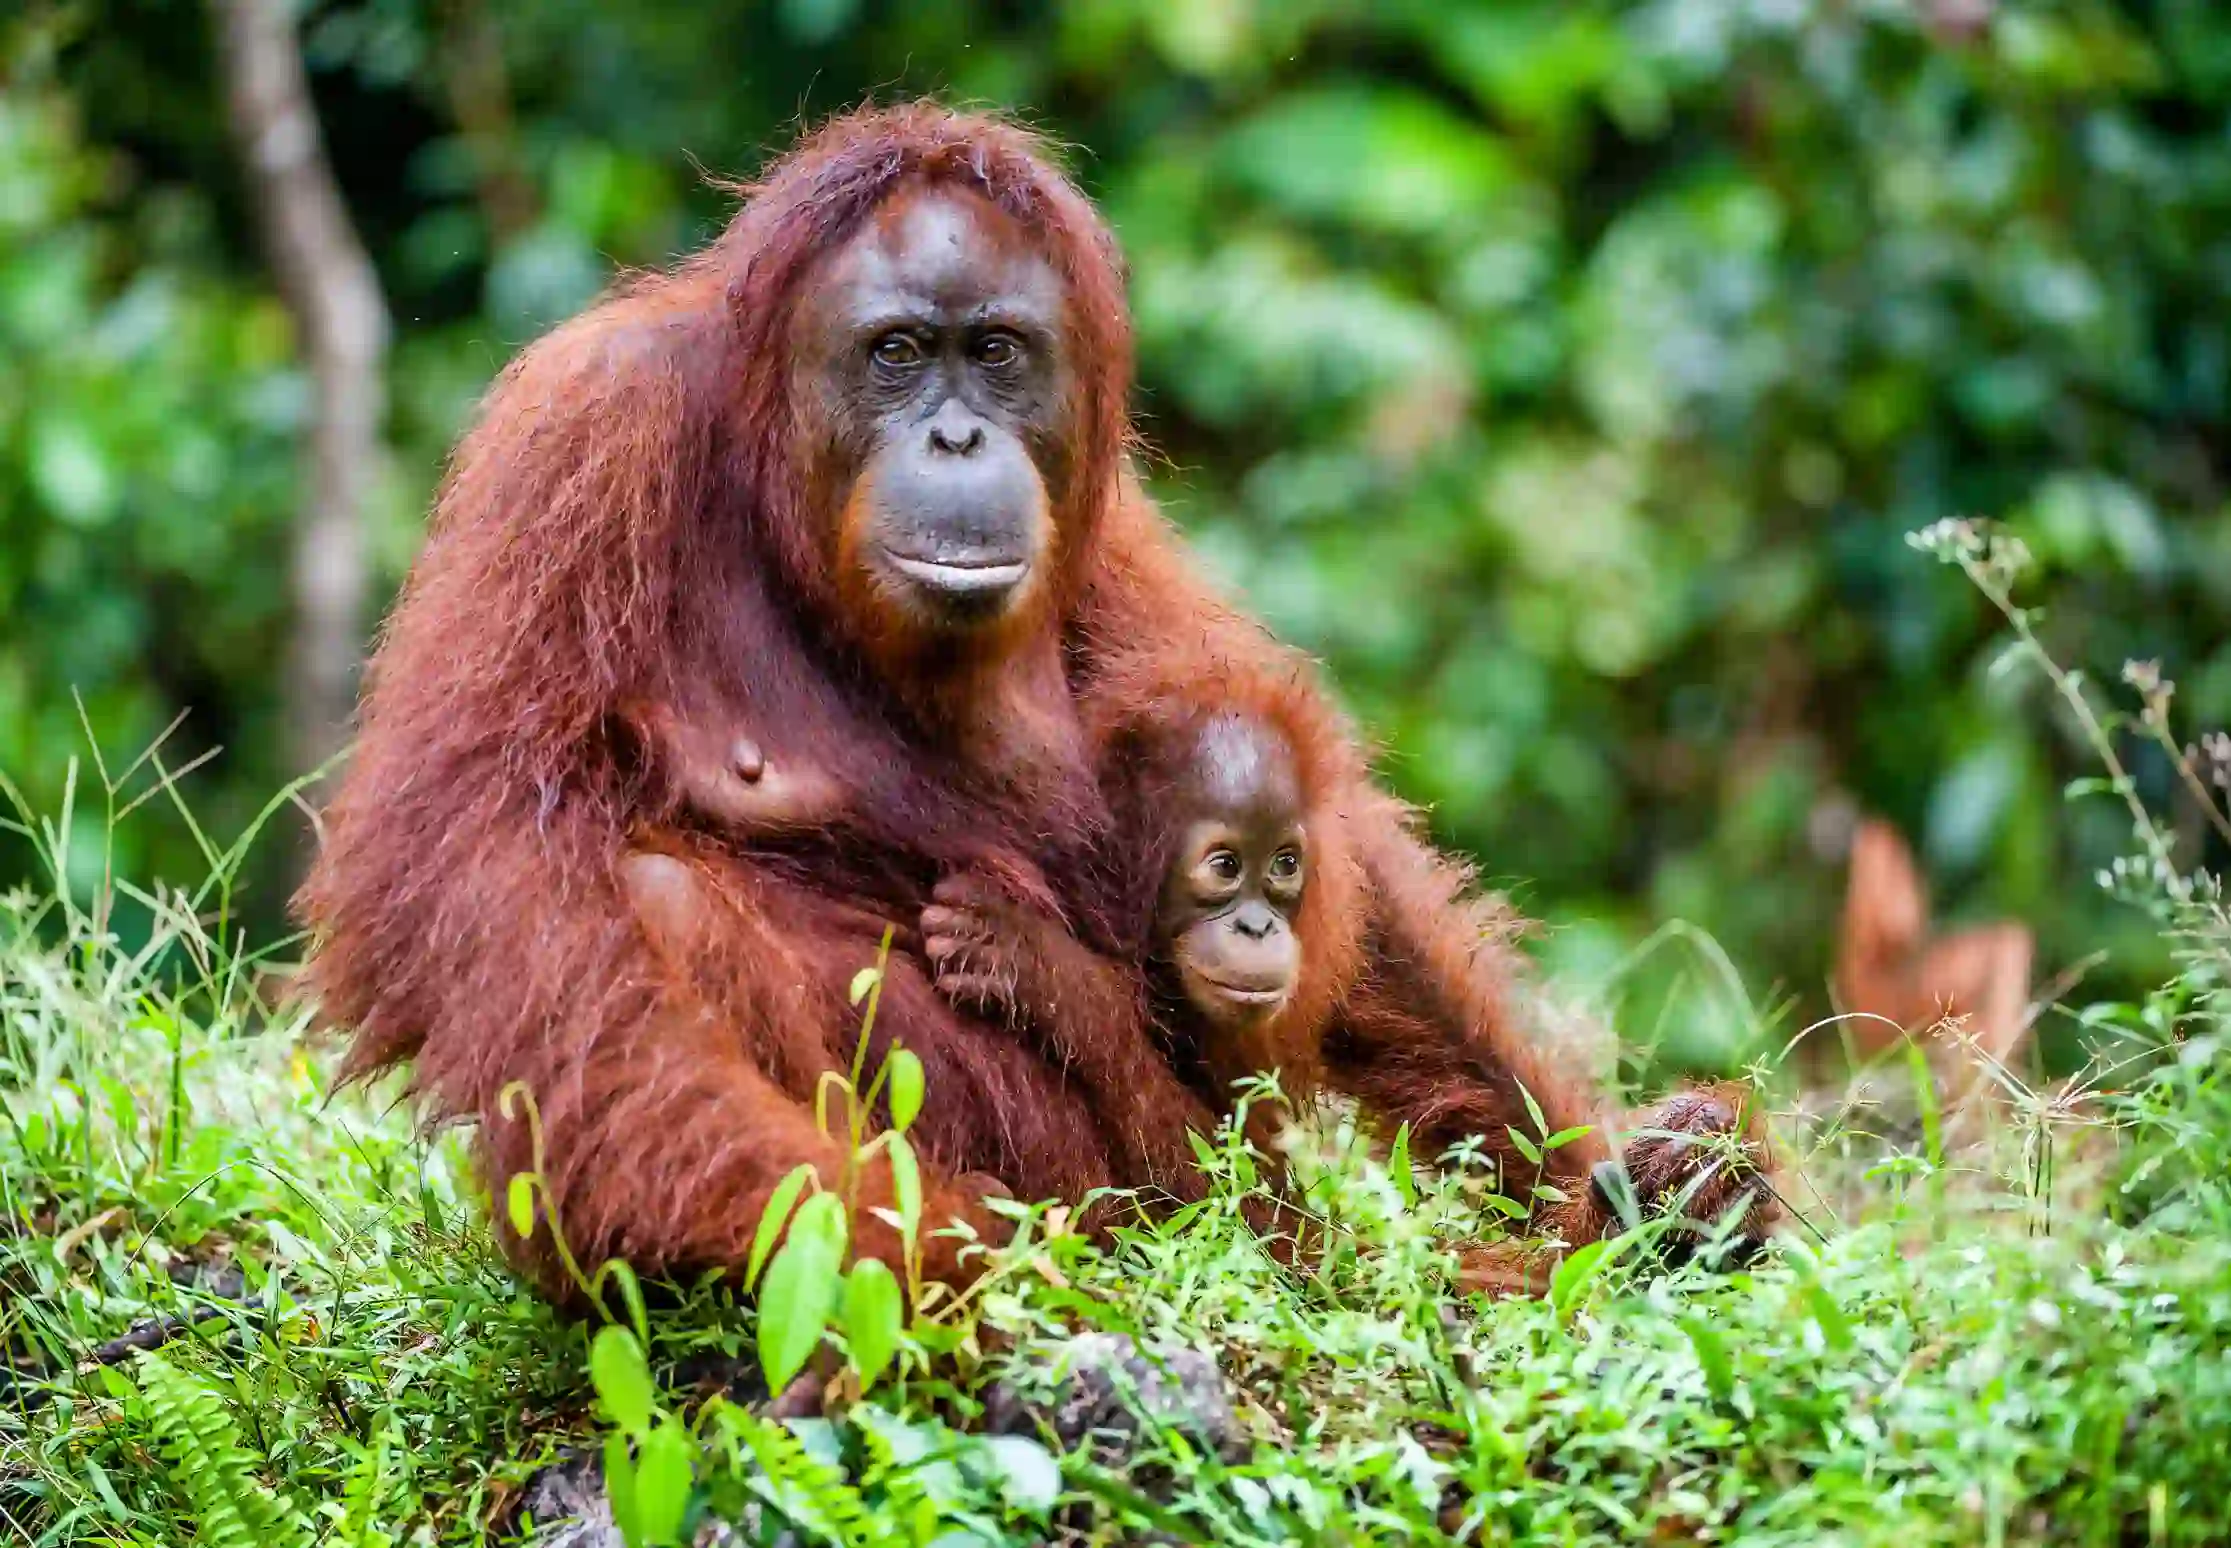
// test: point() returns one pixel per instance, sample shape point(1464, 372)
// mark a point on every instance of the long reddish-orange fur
point(1431, 1029)
point(632, 519)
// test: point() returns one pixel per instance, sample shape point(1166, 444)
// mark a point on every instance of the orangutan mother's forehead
point(948, 254)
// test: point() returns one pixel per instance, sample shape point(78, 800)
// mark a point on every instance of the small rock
point(568, 1506)
point(570, 1509)
point(222, 1281)
point(1103, 1385)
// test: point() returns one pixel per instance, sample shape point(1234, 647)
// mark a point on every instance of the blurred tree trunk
point(328, 283)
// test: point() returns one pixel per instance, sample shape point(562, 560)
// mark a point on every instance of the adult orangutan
point(851, 476)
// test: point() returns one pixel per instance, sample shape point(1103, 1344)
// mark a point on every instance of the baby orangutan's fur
point(1233, 893)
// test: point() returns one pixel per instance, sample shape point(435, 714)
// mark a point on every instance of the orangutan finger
point(975, 988)
point(968, 889)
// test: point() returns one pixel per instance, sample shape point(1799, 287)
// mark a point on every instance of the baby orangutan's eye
point(1285, 866)
point(1222, 864)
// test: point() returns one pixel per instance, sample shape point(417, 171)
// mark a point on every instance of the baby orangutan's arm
point(1007, 959)
point(723, 774)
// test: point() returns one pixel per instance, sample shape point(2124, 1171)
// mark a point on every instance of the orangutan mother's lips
point(963, 576)
point(1246, 994)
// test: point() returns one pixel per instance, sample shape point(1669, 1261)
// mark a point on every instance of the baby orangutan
point(1235, 917)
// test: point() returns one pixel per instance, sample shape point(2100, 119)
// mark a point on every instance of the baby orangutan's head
point(1233, 891)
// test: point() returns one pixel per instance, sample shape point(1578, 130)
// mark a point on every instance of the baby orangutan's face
point(1235, 885)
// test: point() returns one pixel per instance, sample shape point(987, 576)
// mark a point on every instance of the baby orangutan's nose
point(1254, 921)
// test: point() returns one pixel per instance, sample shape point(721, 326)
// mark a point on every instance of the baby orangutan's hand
point(983, 946)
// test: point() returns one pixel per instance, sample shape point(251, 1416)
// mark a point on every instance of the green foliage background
point(1566, 373)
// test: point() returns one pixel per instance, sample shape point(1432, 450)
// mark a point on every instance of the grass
point(1961, 1346)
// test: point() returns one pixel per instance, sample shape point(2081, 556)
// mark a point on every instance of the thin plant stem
point(2072, 693)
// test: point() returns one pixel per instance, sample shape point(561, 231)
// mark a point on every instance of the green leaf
point(1502, 1206)
point(1398, 1165)
point(801, 1288)
point(622, 1379)
point(906, 1191)
point(906, 1088)
point(1835, 1327)
point(619, 1486)
point(618, 1271)
point(1711, 1357)
point(1380, 157)
point(818, 1439)
point(1610, 1178)
point(873, 1316)
point(1524, 1146)
point(1564, 1137)
point(1533, 1110)
point(72, 474)
point(864, 980)
point(123, 1111)
point(1029, 1476)
point(1925, 1098)
point(771, 1220)
point(662, 1484)
point(1580, 1269)
point(519, 1205)
point(820, 1221)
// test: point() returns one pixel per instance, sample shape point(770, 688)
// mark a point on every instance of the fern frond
point(813, 1493)
point(211, 1467)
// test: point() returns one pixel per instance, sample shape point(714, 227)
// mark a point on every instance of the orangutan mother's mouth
point(963, 575)
point(1244, 993)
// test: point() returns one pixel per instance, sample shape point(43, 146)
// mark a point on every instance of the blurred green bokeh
point(1565, 373)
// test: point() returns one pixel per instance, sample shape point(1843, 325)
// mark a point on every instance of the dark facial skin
point(931, 350)
point(1235, 883)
